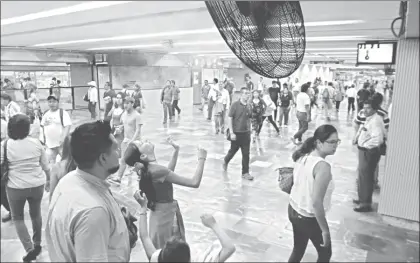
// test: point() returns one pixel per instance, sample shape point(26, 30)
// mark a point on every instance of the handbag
point(382, 148)
point(285, 179)
point(132, 228)
point(4, 166)
point(228, 134)
point(86, 97)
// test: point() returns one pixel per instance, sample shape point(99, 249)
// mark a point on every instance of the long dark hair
point(322, 133)
point(131, 157)
point(70, 164)
point(122, 104)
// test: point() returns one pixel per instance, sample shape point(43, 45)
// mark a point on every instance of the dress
point(166, 219)
point(257, 112)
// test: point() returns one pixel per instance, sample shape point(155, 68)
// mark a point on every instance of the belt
point(366, 149)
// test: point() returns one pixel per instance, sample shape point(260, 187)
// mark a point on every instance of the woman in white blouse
point(311, 193)
point(28, 167)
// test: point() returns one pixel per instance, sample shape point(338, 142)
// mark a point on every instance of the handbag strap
point(5, 151)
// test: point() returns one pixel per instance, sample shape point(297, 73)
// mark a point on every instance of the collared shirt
point(361, 117)
point(372, 133)
point(85, 223)
point(93, 94)
point(214, 90)
point(351, 93)
point(224, 98)
point(11, 110)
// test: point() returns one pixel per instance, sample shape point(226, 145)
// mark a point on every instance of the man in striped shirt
point(361, 119)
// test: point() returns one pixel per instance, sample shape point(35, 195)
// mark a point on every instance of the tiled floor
point(254, 213)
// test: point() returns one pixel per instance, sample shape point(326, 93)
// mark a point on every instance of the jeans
point(350, 104)
point(92, 110)
point(167, 109)
point(4, 200)
point(368, 162)
point(284, 112)
point(175, 107)
point(210, 108)
point(17, 199)
point(303, 125)
point(270, 119)
point(305, 229)
point(123, 165)
point(220, 121)
point(275, 113)
point(337, 105)
point(243, 141)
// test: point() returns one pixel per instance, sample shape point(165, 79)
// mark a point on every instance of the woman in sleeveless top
point(116, 123)
point(156, 181)
point(60, 169)
point(311, 193)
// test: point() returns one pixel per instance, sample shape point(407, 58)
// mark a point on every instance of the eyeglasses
point(334, 142)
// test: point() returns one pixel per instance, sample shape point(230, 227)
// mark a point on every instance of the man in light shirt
point(85, 223)
point(368, 139)
point(56, 124)
point(222, 99)
point(303, 104)
point(212, 96)
point(296, 89)
point(260, 86)
point(92, 99)
point(351, 98)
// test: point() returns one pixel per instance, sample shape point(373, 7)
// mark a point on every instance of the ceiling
point(181, 27)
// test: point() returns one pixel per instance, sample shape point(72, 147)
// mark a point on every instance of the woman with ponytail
point(156, 182)
point(311, 193)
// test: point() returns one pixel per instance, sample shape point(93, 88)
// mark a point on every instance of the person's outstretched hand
point(201, 153)
point(141, 198)
point(171, 142)
point(208, 220)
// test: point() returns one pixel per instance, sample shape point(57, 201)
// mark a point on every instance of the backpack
point(326, 94)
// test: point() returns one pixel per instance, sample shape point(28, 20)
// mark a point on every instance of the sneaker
point(225, 166)
point(6, 218)
point(32, 254)
point(115, 181)
point(363, 209)
point(248, 176)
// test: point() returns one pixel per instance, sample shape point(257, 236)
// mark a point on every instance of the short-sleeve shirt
point(130, 122)
point(285, 99)
point(302, 99)
point(250, 85)
point(53, 128)
point(363, 94)
point(361, 117)
point(274, 94)
point(240, 115)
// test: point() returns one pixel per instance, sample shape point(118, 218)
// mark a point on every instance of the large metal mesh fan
point(268, 37)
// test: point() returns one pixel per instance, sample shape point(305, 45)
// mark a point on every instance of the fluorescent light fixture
point(221, 41)
point(199, 52)
point(131, 37)
point(182, 32)
point(331, 49)
point(61, 11)
point(128, 47)
point(336, 53)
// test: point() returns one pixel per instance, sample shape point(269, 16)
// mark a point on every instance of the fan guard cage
point(274, 48)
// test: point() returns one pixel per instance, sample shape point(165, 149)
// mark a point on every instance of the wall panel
point(400, 184)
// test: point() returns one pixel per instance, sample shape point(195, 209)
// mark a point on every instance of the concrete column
point(400, 184)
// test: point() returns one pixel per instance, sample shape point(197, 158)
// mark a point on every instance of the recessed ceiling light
point(61, 11)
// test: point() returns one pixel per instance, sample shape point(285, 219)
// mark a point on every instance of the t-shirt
point(363, 95)
point(285, 99)
point(53, 128)
point(130, 122)
point(302, 99)
point(274, 94)
point(109, 93)
point(240, 115)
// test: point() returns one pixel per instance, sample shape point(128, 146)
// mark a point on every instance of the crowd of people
point(85, 222)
